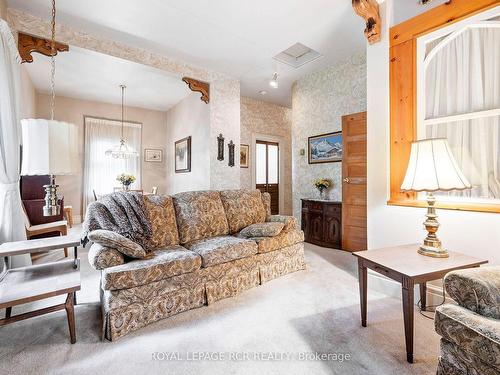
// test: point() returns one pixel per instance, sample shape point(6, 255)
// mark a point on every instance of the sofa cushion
point(290, 222)
point(455, 361)
point(262, 230)
point(101, 257)
point(200, 214)
point(284, 239)
point(161, 213)
point(222, 249)
point(157, 265)
point(116, 241)
point(243, 208)
point(471, 332)
point(477, 289)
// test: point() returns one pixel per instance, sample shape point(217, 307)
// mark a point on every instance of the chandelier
point(122, 150)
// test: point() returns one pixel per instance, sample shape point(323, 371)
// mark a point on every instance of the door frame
point(280, 141)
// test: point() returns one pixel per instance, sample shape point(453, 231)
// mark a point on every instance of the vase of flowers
point(126, 180)
point(322, 184)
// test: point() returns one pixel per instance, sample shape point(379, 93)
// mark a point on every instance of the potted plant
point(322, 184)
point(126, 180)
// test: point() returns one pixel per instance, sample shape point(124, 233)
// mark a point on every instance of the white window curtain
point(11, 214)
point(100, 171)
point(463, 81)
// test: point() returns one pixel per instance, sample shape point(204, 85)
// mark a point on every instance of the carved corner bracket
point(27, 44)
point(368, 10)
point(199, 86)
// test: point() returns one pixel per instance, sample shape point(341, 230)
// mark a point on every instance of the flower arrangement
point(322, 184)
point(126, 180)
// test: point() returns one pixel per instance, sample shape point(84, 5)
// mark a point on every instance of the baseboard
point(392, 288)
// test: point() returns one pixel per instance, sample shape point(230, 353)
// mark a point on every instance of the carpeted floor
point(266, 330)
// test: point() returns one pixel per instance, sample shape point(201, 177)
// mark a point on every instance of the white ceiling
point(238, 38)
point(90, 75)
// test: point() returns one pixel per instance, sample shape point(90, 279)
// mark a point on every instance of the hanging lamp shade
point(49, 148)
point(122, 150)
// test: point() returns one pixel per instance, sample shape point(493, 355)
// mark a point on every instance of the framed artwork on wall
point(244, 155)
point(325, 148)
point(183, 155)
point(154, 155)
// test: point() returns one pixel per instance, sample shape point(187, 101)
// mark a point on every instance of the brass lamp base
point(432, 245)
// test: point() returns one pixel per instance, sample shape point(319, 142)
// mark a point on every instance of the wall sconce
point(220, 147)
point(231, 153)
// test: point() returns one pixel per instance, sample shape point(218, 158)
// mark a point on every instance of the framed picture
point(183, 155)
point(325, 148)
point(244, 154)
point(153, 155)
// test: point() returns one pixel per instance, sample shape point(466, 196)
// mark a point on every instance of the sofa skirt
point(127, 310)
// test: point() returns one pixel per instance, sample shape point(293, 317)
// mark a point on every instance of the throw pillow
point(116, 241)
point(262, 230)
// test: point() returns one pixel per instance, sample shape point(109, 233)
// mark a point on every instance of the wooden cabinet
point(322, 222)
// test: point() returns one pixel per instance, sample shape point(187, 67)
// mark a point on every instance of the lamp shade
point(432, 167)
point(49, 147)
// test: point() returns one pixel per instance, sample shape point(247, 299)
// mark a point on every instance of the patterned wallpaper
point(225, 119)
point(319, 100)
point(258, 117)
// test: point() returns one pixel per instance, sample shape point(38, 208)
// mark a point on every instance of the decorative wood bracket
point(27, 44)
point(199, 86)
point(368, 10)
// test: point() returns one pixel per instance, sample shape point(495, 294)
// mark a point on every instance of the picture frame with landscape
point(325, 148)
point(183, 155)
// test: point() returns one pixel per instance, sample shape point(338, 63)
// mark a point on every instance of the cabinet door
point(332, 230)
point(305, 224)
point(316, 226)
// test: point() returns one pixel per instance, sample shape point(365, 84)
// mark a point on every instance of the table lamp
point(432, 167)
point(49, 148)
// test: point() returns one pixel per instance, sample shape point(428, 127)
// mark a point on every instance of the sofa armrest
point(289, 221)
point(476, 289)
point(266, 201)
point(473, 333)
point(101, 257)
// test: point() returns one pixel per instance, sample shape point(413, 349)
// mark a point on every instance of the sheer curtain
point(463, 77)
point(100, 171)
point(11, 214)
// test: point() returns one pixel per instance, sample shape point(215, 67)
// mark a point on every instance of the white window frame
point(422, 61)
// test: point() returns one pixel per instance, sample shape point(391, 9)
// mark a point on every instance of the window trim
point(403, 94)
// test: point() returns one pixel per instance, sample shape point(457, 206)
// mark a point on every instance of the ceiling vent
point(297, 55)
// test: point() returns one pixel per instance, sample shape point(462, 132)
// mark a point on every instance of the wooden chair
point(68, 214)
point(60, 226)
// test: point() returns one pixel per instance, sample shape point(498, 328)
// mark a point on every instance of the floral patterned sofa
point(470, 331)
point(198, 256)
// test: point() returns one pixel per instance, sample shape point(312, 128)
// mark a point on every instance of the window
point(100, 171)
point(458, 98)
point(471, 129)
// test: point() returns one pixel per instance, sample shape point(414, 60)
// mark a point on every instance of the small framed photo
point(154, 155)
point(244, 155)
point(183, 155)
point(325, 148)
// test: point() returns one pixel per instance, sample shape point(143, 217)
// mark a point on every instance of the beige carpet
point(265, 330)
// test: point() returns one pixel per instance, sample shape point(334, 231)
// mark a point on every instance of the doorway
point(267, 171)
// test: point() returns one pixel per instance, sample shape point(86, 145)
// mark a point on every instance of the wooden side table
point(404, 265)
point(34, 283)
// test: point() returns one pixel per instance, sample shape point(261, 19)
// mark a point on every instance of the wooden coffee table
point(34, 283)
point(404, 265)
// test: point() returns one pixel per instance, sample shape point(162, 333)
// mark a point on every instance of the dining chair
point(60, 227)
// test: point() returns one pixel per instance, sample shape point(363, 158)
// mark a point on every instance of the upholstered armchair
point(470, 330)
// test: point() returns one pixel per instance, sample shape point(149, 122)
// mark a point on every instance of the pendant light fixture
point(49, 146)
point(122, 150)
point(274, 81)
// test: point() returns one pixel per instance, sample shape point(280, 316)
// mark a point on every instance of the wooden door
point(267, 171)
point(354, 182)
